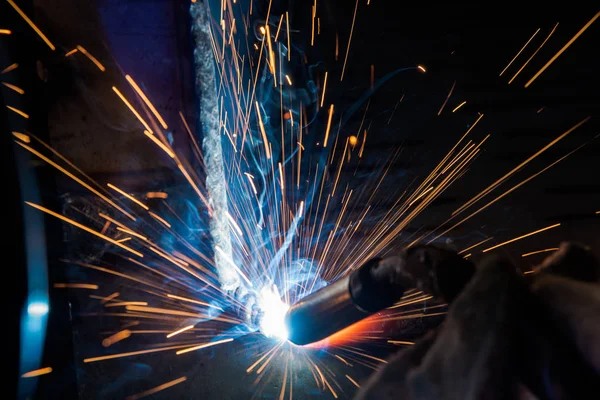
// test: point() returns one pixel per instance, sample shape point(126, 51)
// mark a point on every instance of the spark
point(133, 110)
point(353, 381)
point(402, 342)
point(475, 245)
point(71, 52)
point(565, 47)
point(14, 87)
point(109, 297)
point(11, 67)
point(37, 372)
point(157, 195)
point(324, 87)
point(21, 136)
point(21, 113)
point(126, 303)
point(85, 228)
point(459, 106)
point(533, 55)
point(5, 32)
point(539, 251)
point(75, 286)
point(132, 353)
point(130, 197)
point(521, 237)
point(518, 167)
point(520, 51)
point(32, 25)
point(422, 68)
point(117, 337)
point(130, 232)
point(349, 42)
point(158, 388)
point(447, 98)
point(93, 59)
point(328, 126)
point(203, 346)
point(146, 101)
point(262, 131)
point(287, 23)
point(159, 143)
point(177, 332)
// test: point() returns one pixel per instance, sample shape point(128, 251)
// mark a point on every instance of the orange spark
point(520, 51)
point(459, 106)
point(133, 110)
point(146, 100)
point(521, 237)
point(539, 251)
point(75, 286)
point(475, 245)
point(9, 68)
point(37, 372)
point(130, 197)
point(262, 131)
point(517, 168)
point(130, 232)
point(353, 381)
point(172, 296)
point(328, 125)
point(160, 219)
point(132, 353)
point(202, 346)
point(5, 32)
point(422, 68)
point(70, 53)
point(109, 297)
point(91, 58)
point(401, 342)
point(287, 23)
point(159, 143)
point(126, 303)
point(349, 41)
point(22, 136)
point(21, 113)
point(533, 55)
point(85, 228)
point(447, 98)
point(157, 195)
point(164, 385)
point(14, 87)
point(117, 337)
point(324, 87)
point(565, 47)
point(31, 24)
point(177, 332)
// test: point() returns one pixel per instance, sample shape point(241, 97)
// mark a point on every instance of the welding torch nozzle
point(376, 285)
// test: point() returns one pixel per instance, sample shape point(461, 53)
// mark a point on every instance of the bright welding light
point(37, 308)
point(272, 323)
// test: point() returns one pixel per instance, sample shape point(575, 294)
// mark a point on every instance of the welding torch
point(376, 285)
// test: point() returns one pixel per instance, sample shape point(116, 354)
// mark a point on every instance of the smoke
point(212, 147)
